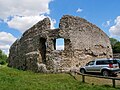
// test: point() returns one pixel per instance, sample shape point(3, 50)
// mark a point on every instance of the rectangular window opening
point(59, 44)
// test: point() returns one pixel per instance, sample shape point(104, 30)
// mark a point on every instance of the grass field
point(13, 79)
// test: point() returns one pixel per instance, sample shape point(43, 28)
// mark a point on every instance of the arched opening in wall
point(42, 49)
point(59, 44)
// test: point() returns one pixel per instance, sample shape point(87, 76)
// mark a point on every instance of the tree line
point(115, 45)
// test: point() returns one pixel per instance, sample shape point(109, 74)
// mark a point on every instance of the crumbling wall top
point(40, 26)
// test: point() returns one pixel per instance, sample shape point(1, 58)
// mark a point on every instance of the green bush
point(3, 58)
point(2, 62)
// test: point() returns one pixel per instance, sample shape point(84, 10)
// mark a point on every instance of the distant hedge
point(3, 58)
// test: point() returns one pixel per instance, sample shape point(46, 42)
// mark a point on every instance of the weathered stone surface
point(36, 49)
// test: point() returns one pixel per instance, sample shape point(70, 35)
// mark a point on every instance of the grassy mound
point(13, 79)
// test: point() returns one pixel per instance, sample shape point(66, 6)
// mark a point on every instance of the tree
point(115, 45)
point(113, 41)
point(3, 58)
point(116, 48)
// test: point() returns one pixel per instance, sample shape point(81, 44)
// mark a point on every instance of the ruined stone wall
point(36, 49)
point(25, 53)
point(83, 42)
point(88, 41)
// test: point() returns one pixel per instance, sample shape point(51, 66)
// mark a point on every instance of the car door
point(90, 66)
point(98, 65)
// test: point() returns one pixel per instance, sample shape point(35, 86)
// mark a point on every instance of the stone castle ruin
point(36, 49)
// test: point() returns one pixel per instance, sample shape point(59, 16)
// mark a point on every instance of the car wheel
point(105, 73)
point(82, 71)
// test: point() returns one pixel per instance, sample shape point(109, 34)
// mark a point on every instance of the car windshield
point(90, 63)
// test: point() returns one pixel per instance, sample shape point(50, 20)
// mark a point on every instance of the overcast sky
point(16, 16)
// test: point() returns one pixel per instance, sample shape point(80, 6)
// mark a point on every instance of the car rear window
point(103, 62)
point(118, 60)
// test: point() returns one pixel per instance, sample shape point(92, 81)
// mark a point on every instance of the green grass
point(13, 79)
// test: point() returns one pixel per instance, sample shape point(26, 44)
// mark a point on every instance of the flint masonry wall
point(36, 49)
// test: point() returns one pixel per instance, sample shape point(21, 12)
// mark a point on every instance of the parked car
point(106, 67)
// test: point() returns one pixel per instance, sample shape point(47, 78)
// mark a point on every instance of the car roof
point(106, 59)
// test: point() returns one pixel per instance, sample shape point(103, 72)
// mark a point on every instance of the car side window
point(105, 62)
point(99, 62)
point(118, 61)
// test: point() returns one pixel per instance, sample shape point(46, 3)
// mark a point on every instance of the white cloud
point(107, 23)
point(23, 7)
point(24, 23)
point(53, 22)
point(60, 47)
point(6, 39)
point(2, 47)
point(79, 10)
point(115, 30)
point(24, 13)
